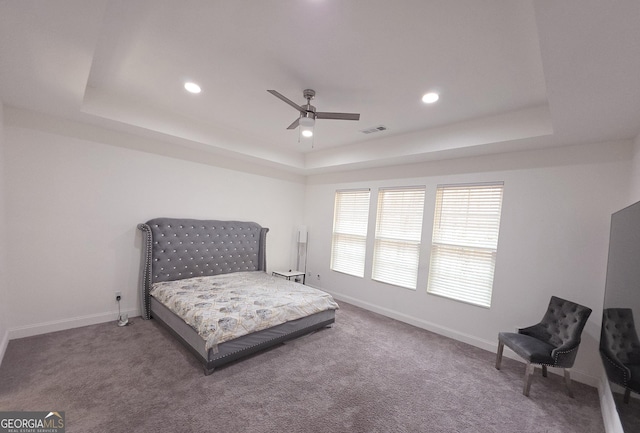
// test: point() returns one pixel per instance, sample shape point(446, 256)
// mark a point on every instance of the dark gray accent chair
point(553, 342)
point(620, 349)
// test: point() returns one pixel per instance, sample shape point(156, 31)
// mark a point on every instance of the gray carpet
point(367, 374)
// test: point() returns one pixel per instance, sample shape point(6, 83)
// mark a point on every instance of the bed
point(206, 282)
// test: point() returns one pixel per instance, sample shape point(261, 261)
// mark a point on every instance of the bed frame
point(175, 249)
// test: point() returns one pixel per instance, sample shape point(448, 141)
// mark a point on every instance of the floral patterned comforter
point(227, 306)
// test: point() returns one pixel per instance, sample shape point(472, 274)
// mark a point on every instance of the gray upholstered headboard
point(174, 249)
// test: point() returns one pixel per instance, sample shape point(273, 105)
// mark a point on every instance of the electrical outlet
point(118, 296)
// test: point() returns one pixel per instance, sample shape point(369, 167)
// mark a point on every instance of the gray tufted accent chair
point(620, 349)
point(553, 342)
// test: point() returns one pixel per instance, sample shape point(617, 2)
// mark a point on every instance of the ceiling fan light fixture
point(308, 122)
point(308, 113)
point(306, 125)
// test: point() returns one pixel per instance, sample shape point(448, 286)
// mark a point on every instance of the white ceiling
point(511, 74)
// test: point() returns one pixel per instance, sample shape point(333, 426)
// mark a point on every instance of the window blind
point(465, 241)
point(398, 234)
point(349, 240)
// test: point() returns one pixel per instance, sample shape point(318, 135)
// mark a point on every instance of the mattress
point(224, 307)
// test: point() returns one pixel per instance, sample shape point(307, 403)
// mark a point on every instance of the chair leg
point(528, 375)
point(567, 381)
point(627, 395)
point(499, 355)
point(544, 371)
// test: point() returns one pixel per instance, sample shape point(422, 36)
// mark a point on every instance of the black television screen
point(619, 345)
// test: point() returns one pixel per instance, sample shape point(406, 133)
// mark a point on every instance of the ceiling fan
point(308, 113)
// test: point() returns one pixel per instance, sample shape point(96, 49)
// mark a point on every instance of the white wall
point(4, 306)
point(553, 240)
point(73, 204)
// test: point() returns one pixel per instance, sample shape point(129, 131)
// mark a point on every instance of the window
point(398, 232)
point(349, 242)
point(465, 241)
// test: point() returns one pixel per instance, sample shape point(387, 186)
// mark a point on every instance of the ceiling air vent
point(374, 129)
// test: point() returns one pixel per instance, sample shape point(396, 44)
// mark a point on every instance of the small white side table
point(290, 274)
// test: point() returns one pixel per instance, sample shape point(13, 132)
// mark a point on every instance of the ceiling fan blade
point(285, 99)
point(337, 116)
point(295, 124)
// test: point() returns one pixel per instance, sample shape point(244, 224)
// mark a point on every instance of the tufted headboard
point(174, 249)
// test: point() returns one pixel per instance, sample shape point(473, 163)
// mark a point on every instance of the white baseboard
point(4, 342)
point(61, 325)
point(420, 323)
point(490, 346)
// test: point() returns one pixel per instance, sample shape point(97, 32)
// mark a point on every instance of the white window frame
point(399, 220)
point(349, 236)
point(464, 246)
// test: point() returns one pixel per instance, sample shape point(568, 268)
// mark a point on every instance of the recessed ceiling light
point(430, 98)
point(192, 87)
